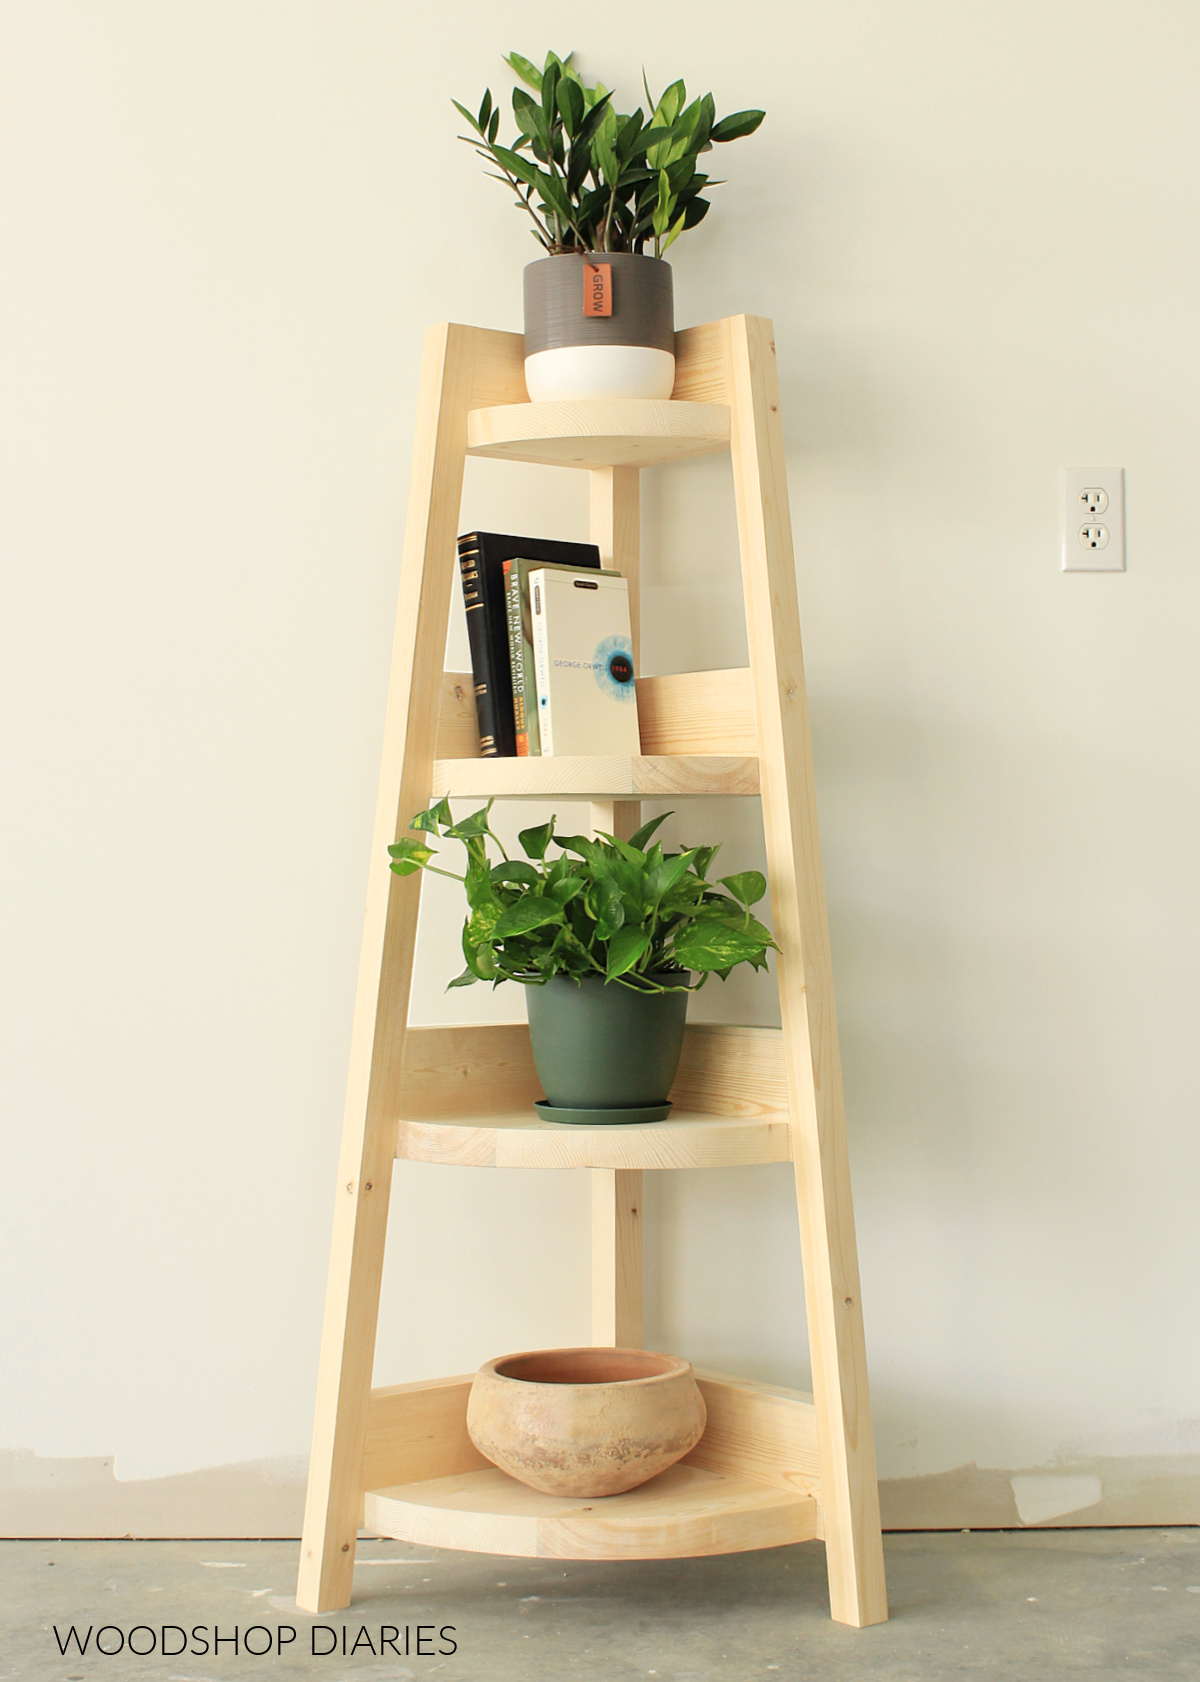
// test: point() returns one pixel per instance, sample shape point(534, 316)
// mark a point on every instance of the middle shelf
point(598, 776)
point(467, 1096)
point(698, 738)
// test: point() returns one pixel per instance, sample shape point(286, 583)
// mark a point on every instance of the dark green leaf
point(570, 104)
point(667, 875)
point(594, 118)
point(485, 109)
point(531, 119)
point(515, 870)
point(475, 824)
point(468, 978)
point(463, 112)
point(516, 165)
point(606, 906)
point(578, 844)
point(626, 849)
point(535, 841)
point(625, 949)
point(554, 193)
point(565, 889)
point(641, 836)
point(531, 912)
point(733, 128)
point(550, 80)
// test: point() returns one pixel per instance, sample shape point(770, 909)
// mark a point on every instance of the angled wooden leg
point(849, 1491)
point(459, 362)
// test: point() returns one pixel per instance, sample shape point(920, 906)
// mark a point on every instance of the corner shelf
point(466, 1097)
point(750, 1482)
point(615, 432)
point(683, 1513)
point(519, 1140)
point(763, 1474)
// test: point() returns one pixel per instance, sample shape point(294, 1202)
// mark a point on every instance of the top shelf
point(608, 432)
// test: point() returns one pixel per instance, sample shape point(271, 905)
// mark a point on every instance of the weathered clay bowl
point(585, 1421)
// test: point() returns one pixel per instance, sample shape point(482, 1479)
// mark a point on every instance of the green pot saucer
point(603, 1118)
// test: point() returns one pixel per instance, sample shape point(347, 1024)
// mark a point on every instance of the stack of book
point(551, 651)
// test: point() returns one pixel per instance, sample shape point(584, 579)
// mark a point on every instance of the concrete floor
point(1028, 1605)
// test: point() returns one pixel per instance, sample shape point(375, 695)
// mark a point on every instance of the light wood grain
point(697, 712)
point(417, 1431)
point(617, 1257)
point(804, 967)
point(458, 721)
point(462, 366)
point(478, 1069)
point(521, 1139)
point(598, 777)
point(685, 1512)
point(759, 1431)
point(732, 1071)
point(701, 365)
point(605, 432)
point(464, 1095)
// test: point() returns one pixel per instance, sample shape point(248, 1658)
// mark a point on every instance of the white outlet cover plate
point(1093, 498)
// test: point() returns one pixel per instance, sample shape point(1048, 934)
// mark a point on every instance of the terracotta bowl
point(585, 1421)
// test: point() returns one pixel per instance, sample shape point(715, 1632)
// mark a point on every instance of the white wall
point(226, 227)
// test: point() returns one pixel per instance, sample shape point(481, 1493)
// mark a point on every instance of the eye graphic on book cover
point(612, 664)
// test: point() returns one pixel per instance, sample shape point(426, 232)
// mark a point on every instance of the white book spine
point(541, 661)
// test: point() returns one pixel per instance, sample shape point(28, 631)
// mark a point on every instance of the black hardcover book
point(481, 558)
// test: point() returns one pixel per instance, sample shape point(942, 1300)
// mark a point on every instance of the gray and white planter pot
point(630, 353)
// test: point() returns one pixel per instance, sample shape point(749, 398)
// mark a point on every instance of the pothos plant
point(591, 179)
point(624, 910)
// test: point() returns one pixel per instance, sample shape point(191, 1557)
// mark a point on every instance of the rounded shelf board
point(523, 1139)
point(671, 776)
point(683, 1513)
point(605, 432)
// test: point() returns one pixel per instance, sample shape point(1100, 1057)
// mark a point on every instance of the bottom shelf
point(752, 1481)
point(683, 1513)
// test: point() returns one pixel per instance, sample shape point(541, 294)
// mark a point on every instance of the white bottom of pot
point(582, 371)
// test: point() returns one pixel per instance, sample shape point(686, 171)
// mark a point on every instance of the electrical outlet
point(1093, 519)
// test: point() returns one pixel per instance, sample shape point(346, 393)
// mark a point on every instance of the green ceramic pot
point(601, 1047)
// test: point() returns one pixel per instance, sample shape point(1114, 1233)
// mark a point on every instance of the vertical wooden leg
point(617, 1257)
point(615, 512)
point(849, 1491)
point(614, 523)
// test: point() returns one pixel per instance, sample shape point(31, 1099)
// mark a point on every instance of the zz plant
point(624, 910)
point(593, 180)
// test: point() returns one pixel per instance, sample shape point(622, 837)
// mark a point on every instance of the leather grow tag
point(597, 289)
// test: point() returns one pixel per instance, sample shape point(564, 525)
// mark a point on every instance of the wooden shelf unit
point(773, 1466)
